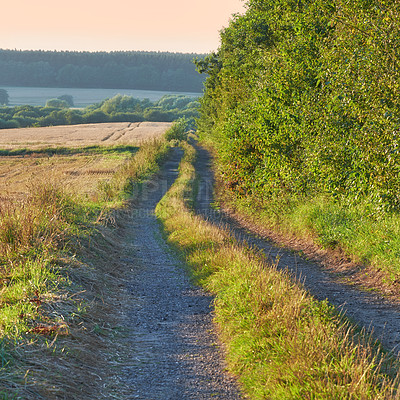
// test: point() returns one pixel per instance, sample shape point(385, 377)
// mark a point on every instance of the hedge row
point(302, 98)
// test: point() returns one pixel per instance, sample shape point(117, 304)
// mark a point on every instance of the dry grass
point(79, 360)
point(80, 172)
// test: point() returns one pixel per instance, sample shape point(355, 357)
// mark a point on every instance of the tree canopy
point(3, 97)
point(302, 98)
point(116, 109)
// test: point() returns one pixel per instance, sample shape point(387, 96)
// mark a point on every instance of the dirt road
point(173, 348)
point(169, 349)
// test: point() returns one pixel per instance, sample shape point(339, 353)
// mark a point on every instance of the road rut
point(174, 349)
point(368, 310)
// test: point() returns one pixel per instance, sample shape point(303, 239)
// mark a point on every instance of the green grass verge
point(365, 237)
point(280, 341)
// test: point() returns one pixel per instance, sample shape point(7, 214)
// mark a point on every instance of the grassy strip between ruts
point(280, 341)
point(39, 240)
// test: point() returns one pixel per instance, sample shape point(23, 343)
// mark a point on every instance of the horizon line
point(104, 51)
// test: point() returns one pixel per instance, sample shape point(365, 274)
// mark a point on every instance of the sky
point(188, 26)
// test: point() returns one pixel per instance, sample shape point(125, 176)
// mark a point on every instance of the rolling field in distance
point(81, 135)
point(77, 157)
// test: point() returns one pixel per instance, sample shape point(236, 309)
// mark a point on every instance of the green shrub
point(178, 130)
point(4, 98)
point(302, 98)
point(68, 98)
point(96, 116)
point(57, 103)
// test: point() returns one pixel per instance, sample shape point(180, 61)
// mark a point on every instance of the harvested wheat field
point(78, 157)
point(81, 135)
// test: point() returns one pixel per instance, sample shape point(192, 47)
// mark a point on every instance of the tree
point(68, 98)
point(3, 97)
point(58, 103)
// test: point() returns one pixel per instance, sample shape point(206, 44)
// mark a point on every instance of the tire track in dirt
point(120, 133)
point(367, 309)
point(173, 352)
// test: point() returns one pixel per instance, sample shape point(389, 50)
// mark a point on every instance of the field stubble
point(82, 135)
point(89, 154)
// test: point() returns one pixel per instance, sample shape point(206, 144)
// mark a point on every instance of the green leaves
point(302, 97)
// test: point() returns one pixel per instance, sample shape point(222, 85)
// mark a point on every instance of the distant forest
point(114, 70)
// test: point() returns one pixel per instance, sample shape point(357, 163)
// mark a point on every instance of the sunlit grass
point(281, 342)
point(369, 239)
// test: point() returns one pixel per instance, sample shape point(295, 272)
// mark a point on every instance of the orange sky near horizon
point(190, 26)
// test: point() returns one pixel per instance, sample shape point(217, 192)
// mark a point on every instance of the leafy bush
point(302, 98)
point(4, 97)
point(172, 101)
point(158, 114)
point(178, 130)
point(120, 103)
point(127, 117)
point(68, 98)
point(96, 116)
point(9, 124)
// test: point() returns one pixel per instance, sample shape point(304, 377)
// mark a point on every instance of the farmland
point(78, 156)
point(80, 135)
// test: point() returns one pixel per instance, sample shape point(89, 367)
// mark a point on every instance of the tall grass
point(33, 231)
point(144, 163)
point(280, 341)
point(37, 235)
point(30, 234)
point(366, 238)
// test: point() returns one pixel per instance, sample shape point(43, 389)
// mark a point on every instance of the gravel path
point(174, 351)
point(367, 309)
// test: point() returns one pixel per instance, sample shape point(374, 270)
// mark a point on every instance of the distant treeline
point(117, 109)
point(115, 70)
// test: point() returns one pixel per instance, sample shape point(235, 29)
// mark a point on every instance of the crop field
point(77, 157)
point(81, 135)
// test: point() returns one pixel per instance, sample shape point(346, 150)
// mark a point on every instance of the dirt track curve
point(367, 309)
point(171, 339)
